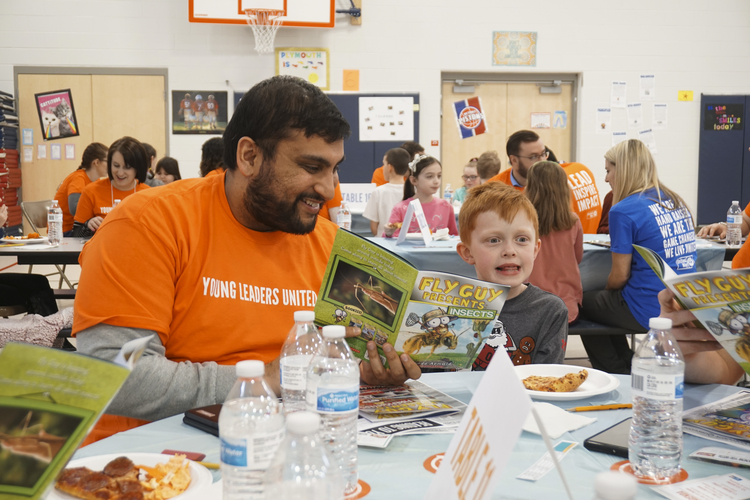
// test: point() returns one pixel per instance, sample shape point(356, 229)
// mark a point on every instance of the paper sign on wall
point(618, 99)
point(603, 120)
point(635, 115)
point(386, 118)
point(648, 87)
point(560, 120)
point(647, 137)
point(659, 117)
point(55, 151)
point(541, 120)
point(470, 117)
point(356, 195)
point(618, 137)
point(310, 64)
point(415, 210)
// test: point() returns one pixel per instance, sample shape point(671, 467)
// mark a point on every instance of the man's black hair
point(270, 110)
point(412, 148)
point(212, 155)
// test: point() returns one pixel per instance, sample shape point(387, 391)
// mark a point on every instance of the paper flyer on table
point(603, 120)
point(635, 115)
point(727, 487)
point(441, 320)
point(725, 421)
point(647, 89)
point(719, 299)
point(49, 399)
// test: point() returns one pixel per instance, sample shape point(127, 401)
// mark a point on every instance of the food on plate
point(567, 383)
point(30, 236)
point(121, 479)
point(33, 236)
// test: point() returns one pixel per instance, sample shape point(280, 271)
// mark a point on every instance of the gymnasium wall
point(404, 45)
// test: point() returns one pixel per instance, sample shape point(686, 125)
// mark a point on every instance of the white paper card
point(635, 115)
point(357, 194)
point(618, 137)
point(480, 449)
point(541, 120)
point(647, 137)
point(28, 154)
point(415, 210)
point(659, 117)
point(41, 151)
point(386, 119)
point(27, 136)
point(70, 151)
point(647, 87)
point(55, 151)
point(728, 487)
point(603, 120)
point(618, 99)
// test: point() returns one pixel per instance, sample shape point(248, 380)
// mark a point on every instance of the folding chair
point(36, 214)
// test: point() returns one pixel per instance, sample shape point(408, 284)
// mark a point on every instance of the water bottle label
point(294, 372)
point(334, 399)
point(54, 218)
point(254, 453)
point(734, 219)
point(662, 387)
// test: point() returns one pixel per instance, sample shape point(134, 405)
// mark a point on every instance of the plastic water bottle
point(302, 343)
point(333, 392)
point(303, 468)
point(251, 428)
point(658, 375)
point(344, 217)
point(734, 225)
point(115, 203)
point(448, 193)
point(615, 486)
point(54, 224)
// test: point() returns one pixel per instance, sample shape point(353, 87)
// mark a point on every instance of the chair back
point(36, 213)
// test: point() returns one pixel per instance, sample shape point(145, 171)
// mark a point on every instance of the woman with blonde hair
point(646, 213)
point(560, 230)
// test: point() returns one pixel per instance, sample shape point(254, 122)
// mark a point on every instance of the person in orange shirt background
point(414, 148)
point(719, 229)
point(584, 193)
point(212, 157)
point(93, 166)
point(127, 166)
point(524, 148)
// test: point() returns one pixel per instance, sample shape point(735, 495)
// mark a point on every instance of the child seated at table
point(470, 178)
point(385, 197)
point(424, 181)
point(499, 237)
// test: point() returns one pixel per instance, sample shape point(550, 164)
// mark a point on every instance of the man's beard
point(523, 171)
point(266, 205)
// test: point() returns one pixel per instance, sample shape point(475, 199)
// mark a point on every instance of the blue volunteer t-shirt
point(641, 219)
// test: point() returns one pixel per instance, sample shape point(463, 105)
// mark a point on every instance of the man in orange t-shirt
point(524, 148)
point(585, 195)
point(216, 267)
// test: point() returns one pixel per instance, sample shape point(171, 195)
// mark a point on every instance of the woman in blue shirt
point(646, 213)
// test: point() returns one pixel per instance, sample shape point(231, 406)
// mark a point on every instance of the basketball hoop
point(264, 23)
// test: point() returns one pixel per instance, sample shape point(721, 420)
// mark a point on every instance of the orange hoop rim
point(263, 16)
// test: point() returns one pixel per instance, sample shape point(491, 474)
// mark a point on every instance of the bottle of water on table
point(448, 193)
point(303, 468)
point(658, 375)
point(251, 428)
point(344, 217)
point(54, 224)
point(302, 343)
point(333, 392)
point(734, 225)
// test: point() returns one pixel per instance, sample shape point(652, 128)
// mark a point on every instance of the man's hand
point(3, 214)
point(373, 372)
point(717, 229)
point(94, 223)
point(690, 338)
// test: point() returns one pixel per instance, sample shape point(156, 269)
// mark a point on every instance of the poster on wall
point(199, 112)
point(723, 117)
point(541, 120)
point(57, 116)
point(311, 64)
point(603, 122)
point(386, 118)
point(514, 48)
point(470, 117)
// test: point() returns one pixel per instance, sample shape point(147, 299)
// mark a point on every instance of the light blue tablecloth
point(398, 473)
point(595, 266)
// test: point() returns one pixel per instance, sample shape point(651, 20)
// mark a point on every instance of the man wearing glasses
point(524, 148)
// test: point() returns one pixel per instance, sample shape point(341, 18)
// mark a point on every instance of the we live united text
point(228, 289)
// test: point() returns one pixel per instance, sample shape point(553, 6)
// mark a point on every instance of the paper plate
point(17, 241)
point(598, 382)
point(200, 477)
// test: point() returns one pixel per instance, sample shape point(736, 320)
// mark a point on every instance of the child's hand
point(389, 229)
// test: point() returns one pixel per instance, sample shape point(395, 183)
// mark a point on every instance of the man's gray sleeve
point(73, 203)
point(157, 387)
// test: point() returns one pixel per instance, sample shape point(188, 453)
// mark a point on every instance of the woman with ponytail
point(93, 166)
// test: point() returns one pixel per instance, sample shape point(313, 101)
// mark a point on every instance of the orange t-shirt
point(215, 171)
point(378, 177)
point(585, 195)
point(73, 183)
point(742, 258)
point(334, 202)
point(175, 260)
point(98, 197)
point(504, 177)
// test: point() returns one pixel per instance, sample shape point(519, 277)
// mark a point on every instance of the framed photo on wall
point(308, 63)
point(57, 116)
point(199, 112)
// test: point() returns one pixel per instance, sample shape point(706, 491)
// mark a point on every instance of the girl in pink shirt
point(424, 182)
point(556, 265)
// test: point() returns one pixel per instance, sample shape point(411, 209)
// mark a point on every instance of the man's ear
point(513, 159)
point(249, 157)
point(465, 252)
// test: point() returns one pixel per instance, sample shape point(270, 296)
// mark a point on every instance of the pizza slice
point(567, 383)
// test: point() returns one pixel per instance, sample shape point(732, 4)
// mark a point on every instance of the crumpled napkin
point(556, 420)
point(441, 234)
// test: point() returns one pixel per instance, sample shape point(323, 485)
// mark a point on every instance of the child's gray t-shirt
point(532, 327)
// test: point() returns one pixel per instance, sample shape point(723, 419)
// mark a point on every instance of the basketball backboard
point(305, 13)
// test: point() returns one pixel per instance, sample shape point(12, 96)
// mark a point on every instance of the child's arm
point(452, 227)
point(394, 221)
point(374, 227)
point(579, 241)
